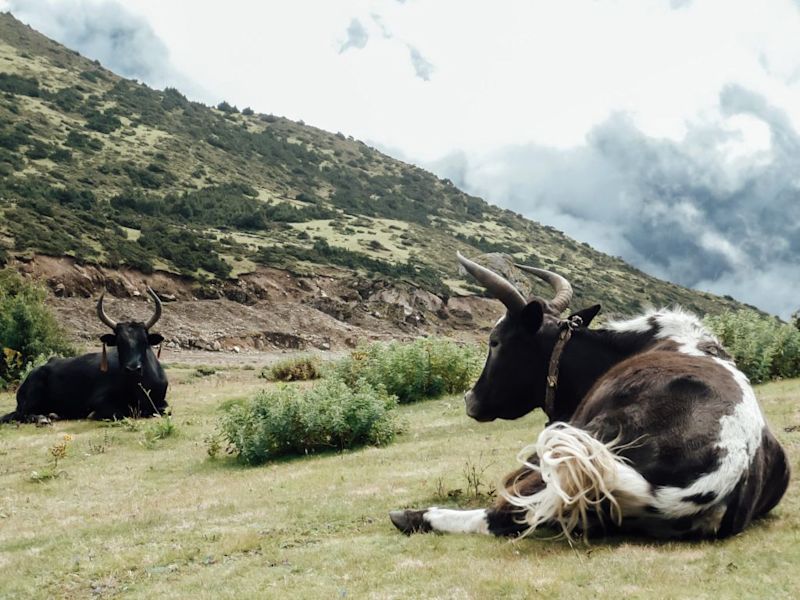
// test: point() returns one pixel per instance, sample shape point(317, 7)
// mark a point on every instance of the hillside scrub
point(421, 369)
point(763, 347)
point(27, 328)
point(114, 173)
point(289, 420)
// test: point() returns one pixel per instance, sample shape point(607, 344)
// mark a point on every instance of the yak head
point(132, 339)
point(514, 378)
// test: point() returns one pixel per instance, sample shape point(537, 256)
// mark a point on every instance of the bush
point(421, 369)
point(302, 368)
point(293, 421)
point(158, 429)
point(764, 348)
point(27, 328)
point(80, 141)
point(103, 122)
point(17, 84)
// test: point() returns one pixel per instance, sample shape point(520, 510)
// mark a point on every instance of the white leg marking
point(457, 521)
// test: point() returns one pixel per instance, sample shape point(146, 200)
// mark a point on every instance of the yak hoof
point(410, 521)
point(42, 421)
point(53, 417)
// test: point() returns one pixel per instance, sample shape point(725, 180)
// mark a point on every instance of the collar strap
point(565, 327)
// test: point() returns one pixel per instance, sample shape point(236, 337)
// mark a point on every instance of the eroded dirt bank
point(268, 311)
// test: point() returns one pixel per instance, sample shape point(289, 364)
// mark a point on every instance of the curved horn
point(497, 286)
point(157, 315)
point(101, 313)
point(562, 287)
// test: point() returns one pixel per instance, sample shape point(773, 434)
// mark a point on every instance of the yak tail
point(580, 474)
point(9, 418)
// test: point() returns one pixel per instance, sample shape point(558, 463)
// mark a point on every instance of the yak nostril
point(134, 368)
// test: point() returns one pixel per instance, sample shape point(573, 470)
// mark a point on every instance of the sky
point(665, 132)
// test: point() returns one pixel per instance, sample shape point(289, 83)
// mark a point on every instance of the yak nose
point(135, 368)
point(469, 400)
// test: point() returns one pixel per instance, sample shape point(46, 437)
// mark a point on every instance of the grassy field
point(133, 516)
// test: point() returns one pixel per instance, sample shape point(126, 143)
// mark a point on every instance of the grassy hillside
point(138, 517)
point(111, 172)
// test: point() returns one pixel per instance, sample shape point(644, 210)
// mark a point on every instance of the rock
point(325, 346)
point(340, 311)
point(59, 290)
point(216, 346)
point(350, 296)
point(236, 349)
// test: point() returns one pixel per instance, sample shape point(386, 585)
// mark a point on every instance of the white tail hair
point(579, 472)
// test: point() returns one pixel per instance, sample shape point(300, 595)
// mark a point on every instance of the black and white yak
point(125, 381)
point(652, 428)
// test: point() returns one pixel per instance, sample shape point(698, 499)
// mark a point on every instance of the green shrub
point(158, 429)
point(103, 122)
point(764, 348)
point(412, 371)
point(28, 330)
point(288, 420)
point(204, 371)
point(16, 84)
point(81, 141)
point(301, 368)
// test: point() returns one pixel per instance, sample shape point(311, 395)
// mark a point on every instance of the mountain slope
point(112, 173)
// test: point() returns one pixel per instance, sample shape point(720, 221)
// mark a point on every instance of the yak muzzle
point(473, 408)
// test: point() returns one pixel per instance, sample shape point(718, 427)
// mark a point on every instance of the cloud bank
point(121, 40)
point(717, 210)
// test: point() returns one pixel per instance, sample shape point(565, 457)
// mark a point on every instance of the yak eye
point(494, 343)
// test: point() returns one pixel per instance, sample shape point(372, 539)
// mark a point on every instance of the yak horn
point(157, 315)
point(496, 285)
point(562, 287)
point(101, 313)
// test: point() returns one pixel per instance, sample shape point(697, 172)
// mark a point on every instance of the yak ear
point(587, 314)
point(533, 315)
point(109, 339)
point(154, 339)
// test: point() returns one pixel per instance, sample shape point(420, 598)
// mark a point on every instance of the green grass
point(123, 520)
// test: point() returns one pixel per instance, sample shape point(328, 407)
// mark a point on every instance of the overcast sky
point(662, 131)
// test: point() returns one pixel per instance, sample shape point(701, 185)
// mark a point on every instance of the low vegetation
point(424, 368)
point(28, 331)
point(763, 347)
point(354, 405)
point(298, 368)
point(290, 420)
point(157, 429)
